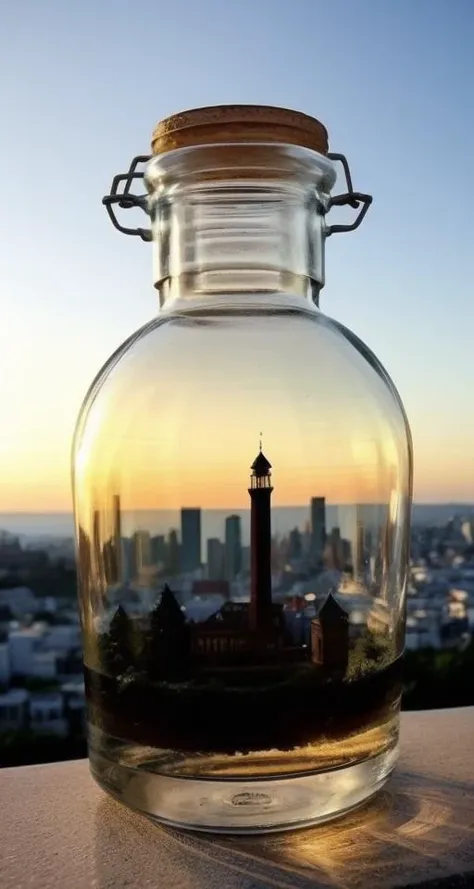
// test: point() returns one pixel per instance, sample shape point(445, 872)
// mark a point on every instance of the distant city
point(36, 527)
point(204, 555)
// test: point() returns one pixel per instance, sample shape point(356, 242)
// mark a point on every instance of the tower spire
point(260, 441)
point(260, 543)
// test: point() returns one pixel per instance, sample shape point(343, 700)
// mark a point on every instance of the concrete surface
point(58, 830)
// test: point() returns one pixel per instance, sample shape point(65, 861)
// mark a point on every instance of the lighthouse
point(260, 544)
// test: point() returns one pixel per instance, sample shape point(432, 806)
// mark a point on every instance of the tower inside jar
point(284, 681)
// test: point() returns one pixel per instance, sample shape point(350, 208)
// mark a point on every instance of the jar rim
point(217, 124)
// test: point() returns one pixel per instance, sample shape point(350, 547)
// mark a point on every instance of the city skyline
point(76, 287)
point(440, 619)
point(230, 666)
point(59, 526)
point(254, 630)
point(358, 538)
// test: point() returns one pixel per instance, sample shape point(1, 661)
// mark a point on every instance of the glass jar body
point(243, 624)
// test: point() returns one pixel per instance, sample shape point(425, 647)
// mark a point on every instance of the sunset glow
point(73, 289)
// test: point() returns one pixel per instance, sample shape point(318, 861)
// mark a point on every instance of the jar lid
point(239, 123)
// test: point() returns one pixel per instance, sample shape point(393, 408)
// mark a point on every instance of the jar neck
point(238, 222)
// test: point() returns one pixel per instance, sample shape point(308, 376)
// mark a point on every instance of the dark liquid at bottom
point(287, 709)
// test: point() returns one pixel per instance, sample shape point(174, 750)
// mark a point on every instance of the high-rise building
point(127, 556)
point(215, 559)
point(331, 554)
point(260, 545)
point(157, 549)
point(141, 551)
point(337, 551)
point(359, 551)
point(172, 553)
point(306, 540)
point(97, 552)
point(246, 559)
point(233, 547)
point(295, 544)
point(190, 539)
point(117, 545)
point(318, 530)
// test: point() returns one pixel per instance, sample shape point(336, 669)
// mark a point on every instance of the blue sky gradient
point(83, 86)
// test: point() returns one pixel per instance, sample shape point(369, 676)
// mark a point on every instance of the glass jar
point(242, 489)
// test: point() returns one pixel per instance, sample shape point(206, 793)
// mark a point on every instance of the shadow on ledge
point(418, 831)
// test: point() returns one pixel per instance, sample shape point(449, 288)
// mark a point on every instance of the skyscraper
point(117, 534)
point(335, 550)
point(359, 551)
point(141, 552)
point(158, 549)
point(295, 546)
point(127, 563)
point(190, 539)
point(318, 530)
point(97, 552)
point(172, 553)
point(246, 559)
point(233, 547)
point(215, 559)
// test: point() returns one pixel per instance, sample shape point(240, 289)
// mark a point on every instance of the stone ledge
point(58, 830)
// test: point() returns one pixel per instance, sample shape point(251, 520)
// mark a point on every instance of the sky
point(82, 88)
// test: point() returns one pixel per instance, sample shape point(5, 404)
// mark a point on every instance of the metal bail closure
point(126, 200)
point(351, 198)
point(121, 196)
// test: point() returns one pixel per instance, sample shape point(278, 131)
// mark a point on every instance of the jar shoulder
point(287, 350)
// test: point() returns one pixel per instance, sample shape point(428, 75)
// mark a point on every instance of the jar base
point(244, 806)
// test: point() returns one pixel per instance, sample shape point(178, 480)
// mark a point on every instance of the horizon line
point(461, 503)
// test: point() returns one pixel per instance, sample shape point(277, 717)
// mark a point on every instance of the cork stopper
point(239, 123)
